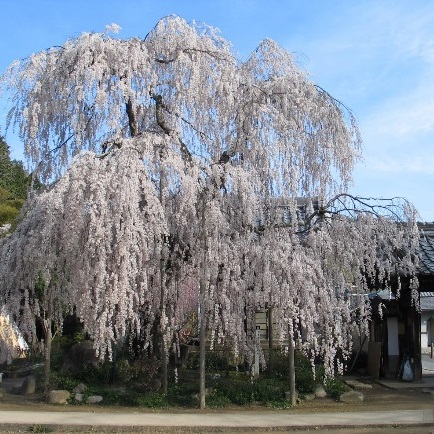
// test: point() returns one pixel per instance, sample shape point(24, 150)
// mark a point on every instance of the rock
point(353, 396)
point(58, 396)
point(309, 397)
point(79, 397)
point(79, 356)
point(94, 399)
point(80, 388)
point(29, 386)
point(320, 392)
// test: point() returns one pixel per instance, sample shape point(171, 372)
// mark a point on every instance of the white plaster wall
point(424, 328)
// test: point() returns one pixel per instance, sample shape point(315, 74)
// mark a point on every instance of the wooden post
point(415, 327)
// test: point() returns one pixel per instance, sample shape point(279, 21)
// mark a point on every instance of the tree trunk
point(270, 339)
point(202, 353)
point(164, 358)
point(47, 355)
point(164, 366)
point(202, 331)
point(291, 362)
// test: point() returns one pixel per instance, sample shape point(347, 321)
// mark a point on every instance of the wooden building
point(401, 330)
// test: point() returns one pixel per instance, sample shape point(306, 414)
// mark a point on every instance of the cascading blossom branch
point(172, 161)
point(358, 255)
point(184, 80)
point(95, 247)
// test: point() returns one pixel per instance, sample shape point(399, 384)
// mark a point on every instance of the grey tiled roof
point(427, 301)
point(426, 251)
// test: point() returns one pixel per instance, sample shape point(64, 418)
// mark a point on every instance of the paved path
point(235, 420)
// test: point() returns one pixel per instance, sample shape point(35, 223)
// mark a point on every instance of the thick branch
point(214, 54)
point(159, 107)
point(132, 122)
point(382, 208)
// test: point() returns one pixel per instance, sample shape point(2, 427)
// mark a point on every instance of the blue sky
point(376, 56)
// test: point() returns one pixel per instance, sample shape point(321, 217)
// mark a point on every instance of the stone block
point(357, 385)
point(353, 396)
point(29, 386)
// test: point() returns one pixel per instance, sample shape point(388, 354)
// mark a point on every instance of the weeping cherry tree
point(170, 161)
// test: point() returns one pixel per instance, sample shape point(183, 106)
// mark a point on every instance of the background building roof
point(426, 249)
point(427, 301)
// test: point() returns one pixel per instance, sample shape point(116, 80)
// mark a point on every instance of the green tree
point(13, 176)
point(14, 182)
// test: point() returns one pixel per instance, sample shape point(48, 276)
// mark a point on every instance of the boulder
point(79, 356)
point(309, 397)
point(79, 397)
point(94, 399)
point(351, 397)
point(80, 388)
point(58, 396)
point(29, 386)
point(320, 392)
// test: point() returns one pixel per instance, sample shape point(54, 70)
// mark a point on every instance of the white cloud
point(403, 166)
point(378, 58)
point(402, 116)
